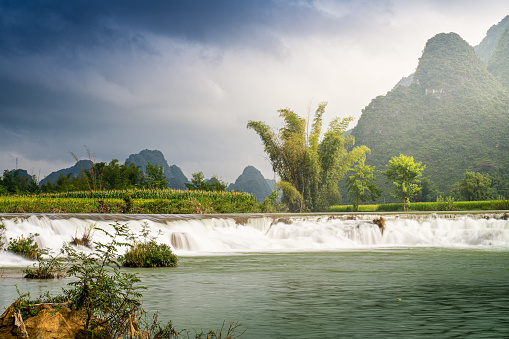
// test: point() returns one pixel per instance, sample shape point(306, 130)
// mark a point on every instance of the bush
point(109, 297)
point(148, 253)
point(26, 247)
point(54, 267)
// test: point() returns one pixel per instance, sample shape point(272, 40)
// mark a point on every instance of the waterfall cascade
point(226, 234)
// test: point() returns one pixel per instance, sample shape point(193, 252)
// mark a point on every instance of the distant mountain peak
point(75, 171)
point(498, 64)
point(174, 175)
point(448, 64)
point(252, 181)
point(488, 45)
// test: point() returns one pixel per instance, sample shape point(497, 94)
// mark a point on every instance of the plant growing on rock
point(110, 297)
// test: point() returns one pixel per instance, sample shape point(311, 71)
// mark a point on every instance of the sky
point(185, 77)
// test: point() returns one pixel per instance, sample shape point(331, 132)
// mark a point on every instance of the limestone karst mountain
point(176, 179)
point(251, 181)
point(453, 116)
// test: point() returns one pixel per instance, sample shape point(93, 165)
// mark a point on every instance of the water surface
point(383, 293)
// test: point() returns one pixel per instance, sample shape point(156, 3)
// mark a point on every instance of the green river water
point(377, 293)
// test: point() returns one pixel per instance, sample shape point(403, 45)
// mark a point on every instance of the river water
point(440, 276)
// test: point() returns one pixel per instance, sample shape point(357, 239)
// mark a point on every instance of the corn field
point(143, 201)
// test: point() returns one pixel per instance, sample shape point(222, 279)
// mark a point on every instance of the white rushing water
point(226, 234)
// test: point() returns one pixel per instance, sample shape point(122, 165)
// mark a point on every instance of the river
point(316, 276)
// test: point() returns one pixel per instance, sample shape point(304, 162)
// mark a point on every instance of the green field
point(132, 201)
point(490, 205)
point(170, 201)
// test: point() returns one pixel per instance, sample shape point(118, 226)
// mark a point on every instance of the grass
point(490, 205)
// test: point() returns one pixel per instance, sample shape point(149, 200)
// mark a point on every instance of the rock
point(46, 321)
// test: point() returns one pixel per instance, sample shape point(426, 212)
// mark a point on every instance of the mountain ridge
point(454, 115)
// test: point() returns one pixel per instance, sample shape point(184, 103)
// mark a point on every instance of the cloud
point(184, 77)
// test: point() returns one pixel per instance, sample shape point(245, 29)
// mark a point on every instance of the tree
point(155, 176)
point(19, 182)
point(309, 169)
point(198, 183)
point(428, 191)
point(404, 174)
point(475, 187)
point(360, 188)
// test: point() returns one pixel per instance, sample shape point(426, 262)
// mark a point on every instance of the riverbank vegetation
point(440, 205)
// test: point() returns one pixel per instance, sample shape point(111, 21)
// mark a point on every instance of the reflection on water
point(391, 293)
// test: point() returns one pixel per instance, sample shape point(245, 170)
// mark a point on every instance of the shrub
point(109, 300)
point(108, 296)
point(147, 252)
point(54, 267)
point(26, 247)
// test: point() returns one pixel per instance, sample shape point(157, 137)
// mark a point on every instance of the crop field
point(132, 201)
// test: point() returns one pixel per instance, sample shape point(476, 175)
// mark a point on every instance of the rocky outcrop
point(46, 321)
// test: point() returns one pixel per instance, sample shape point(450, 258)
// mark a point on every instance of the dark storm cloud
point(35, 26)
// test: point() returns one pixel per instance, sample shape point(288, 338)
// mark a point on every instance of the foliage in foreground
point(108, 299)
point(308, 164)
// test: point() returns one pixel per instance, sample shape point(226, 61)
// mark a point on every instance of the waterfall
point(227, 234)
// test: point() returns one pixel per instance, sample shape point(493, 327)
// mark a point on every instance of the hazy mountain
point(174, 175)
point(75, 171)
point(498, 64)
point(489, 44)
point(252, 181)
point(453, 117)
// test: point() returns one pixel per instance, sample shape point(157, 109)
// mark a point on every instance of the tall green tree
point(359, 185)
point(475, 187)
point(405, 176)
point(309, 164)
point(428, 191)
point(155, 176)
point(198, 183)
point(18, 181)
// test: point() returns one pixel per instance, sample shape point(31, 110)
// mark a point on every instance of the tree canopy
point(404, 174)
point(475, 187)
point(198, 183)
point(308, 163)
point(360, 187)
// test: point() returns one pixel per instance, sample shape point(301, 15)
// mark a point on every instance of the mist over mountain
point(489, 44)
point(498, 64)
point(452, 115)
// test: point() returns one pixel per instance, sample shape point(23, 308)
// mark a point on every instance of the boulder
point(46, 321)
